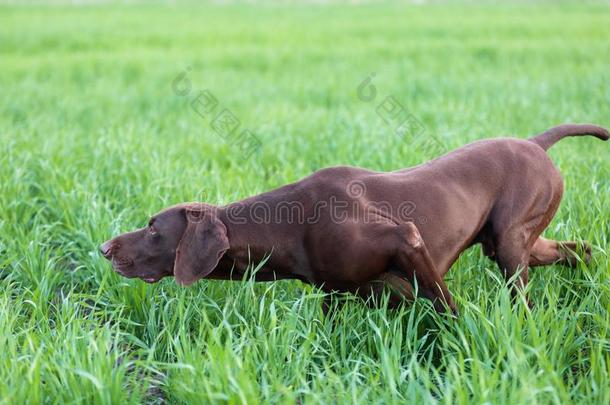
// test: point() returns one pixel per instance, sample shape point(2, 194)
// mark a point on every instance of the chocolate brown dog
point(355, 230)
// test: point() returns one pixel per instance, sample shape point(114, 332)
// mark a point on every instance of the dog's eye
point(152, 230)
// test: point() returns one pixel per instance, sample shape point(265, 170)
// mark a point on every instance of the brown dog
point(355, 230)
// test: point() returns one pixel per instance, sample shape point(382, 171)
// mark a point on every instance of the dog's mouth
point(150, 280)
point(120, 264)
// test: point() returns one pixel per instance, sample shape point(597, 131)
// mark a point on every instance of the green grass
point(93, 140)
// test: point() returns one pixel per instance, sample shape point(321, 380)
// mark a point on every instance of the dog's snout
point(106, 249)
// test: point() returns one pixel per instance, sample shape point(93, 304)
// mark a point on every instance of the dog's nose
point(106, 249)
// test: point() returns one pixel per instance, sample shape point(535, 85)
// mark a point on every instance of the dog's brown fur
point(501, 193)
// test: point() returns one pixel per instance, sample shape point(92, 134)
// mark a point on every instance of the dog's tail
point(549, 137)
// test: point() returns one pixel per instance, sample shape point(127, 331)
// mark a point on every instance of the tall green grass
point(94, 139)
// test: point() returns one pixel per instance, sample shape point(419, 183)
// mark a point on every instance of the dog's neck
point(251, 248)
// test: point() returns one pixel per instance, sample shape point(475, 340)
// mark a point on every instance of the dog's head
point(185, 241)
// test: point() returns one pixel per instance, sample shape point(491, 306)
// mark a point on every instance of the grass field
point(97, 134)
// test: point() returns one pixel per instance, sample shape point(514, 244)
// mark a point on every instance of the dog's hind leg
point(512, 256)
point(517, 221)
point(547, 251)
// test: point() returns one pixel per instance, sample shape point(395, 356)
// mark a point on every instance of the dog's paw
point(575, 251)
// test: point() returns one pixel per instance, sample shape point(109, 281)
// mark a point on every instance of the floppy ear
point(202, 245)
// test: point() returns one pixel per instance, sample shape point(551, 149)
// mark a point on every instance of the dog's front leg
point(413, 259)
